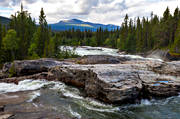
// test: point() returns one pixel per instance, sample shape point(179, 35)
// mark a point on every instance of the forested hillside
point(134, 36)
point(22, 39)
point(4, 20)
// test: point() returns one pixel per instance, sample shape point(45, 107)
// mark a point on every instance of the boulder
point(166, 68)
point(166, 55)
point(159, 86)
point(109, 83)
point(69, 75)
point(29, 67)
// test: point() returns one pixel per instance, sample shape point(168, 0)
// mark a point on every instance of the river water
point(69, 101)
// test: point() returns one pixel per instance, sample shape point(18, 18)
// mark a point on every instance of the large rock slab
point(167, 68)
point(101, 59)
point(122, 83)
point(108, 83)
point(29, 67)
point(123, 80)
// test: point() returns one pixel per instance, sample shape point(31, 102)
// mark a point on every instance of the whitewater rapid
point(88, 50)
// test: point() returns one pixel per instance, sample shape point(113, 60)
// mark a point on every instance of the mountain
point(79, 24)
point(70, 24)
point(4, 20)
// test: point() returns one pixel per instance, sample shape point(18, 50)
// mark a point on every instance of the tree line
point(134, 36)
point(23, 39)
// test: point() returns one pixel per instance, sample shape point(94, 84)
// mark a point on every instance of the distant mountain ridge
point(71, 24)
point(79, 24)
point(4, 20)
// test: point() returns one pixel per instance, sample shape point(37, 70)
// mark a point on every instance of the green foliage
point(23, 24)
point(12, 71)
point(93, 42)
point(10, 43)
point(176, 45)
point(65, 53)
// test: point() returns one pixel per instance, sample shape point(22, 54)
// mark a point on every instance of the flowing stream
point(68, 100)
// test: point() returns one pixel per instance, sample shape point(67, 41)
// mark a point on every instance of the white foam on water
point(88, 50)
point(25, 85)
point(61, 87)
point(57, 85)
point(74, 114)
point(112, 110)
point(94, 102)
point(71, 95)
point(35, 105)
point(34, 95)
point(94, 105)
point(145, 102)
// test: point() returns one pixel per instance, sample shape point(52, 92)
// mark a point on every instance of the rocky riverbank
point(116, 80)
point(16, 105)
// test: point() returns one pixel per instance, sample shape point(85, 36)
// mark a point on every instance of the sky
point(97, 11)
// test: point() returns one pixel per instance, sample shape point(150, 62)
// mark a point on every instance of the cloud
point(99, 11)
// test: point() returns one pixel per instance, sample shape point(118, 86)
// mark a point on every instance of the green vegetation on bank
point(23, 39)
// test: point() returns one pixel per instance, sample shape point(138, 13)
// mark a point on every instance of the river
point(56, 97)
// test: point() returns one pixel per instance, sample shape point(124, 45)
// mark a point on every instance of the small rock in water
point(2, 108)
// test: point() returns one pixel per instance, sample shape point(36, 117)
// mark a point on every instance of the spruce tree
point(176, 47)
point(43, 35)
point(139, 42)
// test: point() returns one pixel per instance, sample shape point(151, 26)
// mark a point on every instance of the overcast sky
point(98, 11)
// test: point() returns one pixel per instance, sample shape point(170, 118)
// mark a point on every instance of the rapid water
point(68, 100)
point(88, 50)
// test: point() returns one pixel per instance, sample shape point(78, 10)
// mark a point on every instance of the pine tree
point(166, 14)
point(24, 26)
point(176, 47)
point(43, 35)
point(166, 29)
point(139, 41)
point(175, 20)
point(0, 35)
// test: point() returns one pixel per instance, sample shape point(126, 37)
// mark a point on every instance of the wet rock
point(113, 84)
point(122, 83)
point(101, 59)
point(18, 107)
point(29, 67)
point(3, 75)
point(109, 83)
point(69, 75)
point(166, 68)
point(2, 108)
point(159, 54)
point(163, 54)
point(16, 80)
point(158, 85)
